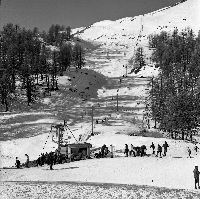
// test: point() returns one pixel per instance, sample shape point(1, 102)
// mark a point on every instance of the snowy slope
point(186, 14)
point(118, 41)
point(128, 33)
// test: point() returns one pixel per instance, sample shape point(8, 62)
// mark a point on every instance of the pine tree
point(5, 91)
point(78, 56)
point(65, 57)
point(174, 95)
point(139, 59)
point(68, 30)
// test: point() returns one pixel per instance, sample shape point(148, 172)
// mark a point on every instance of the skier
point(17, 163)
point(27, 161)
point(165, 145)
point(143, 148)
point(111, 151)
point(132, 151)
point(106, 151)
point(39, 161)
point(51, 160)
point(153, 147)
point(126, 150)
point(103, 150)
point(159, 151)
point(42, 159)
point(189, 152)
point(196, 177)
point(55, 158)
point(196, 148)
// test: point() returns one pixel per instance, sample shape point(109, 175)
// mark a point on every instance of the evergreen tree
point(174, 96)
point(78, 56)
point(5, 91)
point(65, 57)
point(139, 59)
point(68, 30)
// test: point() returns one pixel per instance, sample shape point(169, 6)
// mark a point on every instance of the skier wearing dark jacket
point(17, 163)
point(143, 148)
point(126, 150)
point(51, 160)
point(196, 176)
point(159, 150)
point(27, 161)
point(165, 146)
point(103, 151)
point(153, 147)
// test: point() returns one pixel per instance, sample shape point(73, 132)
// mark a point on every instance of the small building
point(76, 151)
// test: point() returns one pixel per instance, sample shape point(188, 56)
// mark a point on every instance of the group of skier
point(159, 149)
point(104, 151)
point(18, 163)
point(47, 158)
point(141, 151)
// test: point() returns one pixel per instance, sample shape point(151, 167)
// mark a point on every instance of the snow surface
point(131, 32)
point(172, 171)
point(118, 40)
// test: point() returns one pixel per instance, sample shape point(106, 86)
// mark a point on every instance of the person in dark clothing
point(143, 148)
point(51, 160)
point(196, 177)
point(55, 158)
point(165, 146)
point(106, 151)
point(153, 147)
point(103, 150)
point(126, 150)
point(196, 148)
point(132, 151)
point(45, 156)
point(159, 150)
point(39, 161)
point(17, 163)
point(27, 161)
point(189, 152)
point(42, 159)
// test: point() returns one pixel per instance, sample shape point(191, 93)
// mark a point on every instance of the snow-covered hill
point(128, 33)
point(118, 40)
point(126, 30)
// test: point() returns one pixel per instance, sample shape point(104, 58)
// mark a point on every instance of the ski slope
point(128, 33)
point(118, 40)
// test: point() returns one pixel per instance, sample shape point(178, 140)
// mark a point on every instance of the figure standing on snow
point(189, 152)
point(51, 160)
point(143, 150)
point(159, 150)
point(126, 150)
point(111, 151)
point(196, 177)
point(39, 161)
point(196, 148)
point(132, 151)
point(17, 163)
point(103, 151)
point(153, 147)
point(165, 146)
point(27, 161)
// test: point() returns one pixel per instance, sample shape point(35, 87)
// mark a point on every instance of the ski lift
point(57, 133)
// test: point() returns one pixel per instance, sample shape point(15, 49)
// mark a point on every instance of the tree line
point(26, 58)
point(174, 97)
